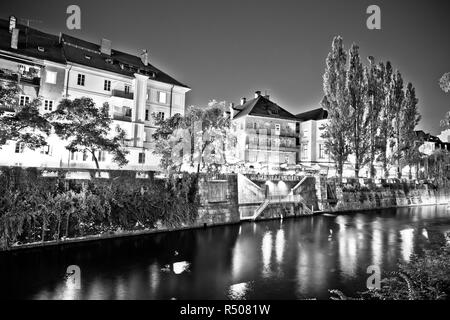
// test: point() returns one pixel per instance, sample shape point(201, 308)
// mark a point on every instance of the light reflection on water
point(295, 259)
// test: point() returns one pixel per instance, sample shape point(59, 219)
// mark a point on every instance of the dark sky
point(226, 49)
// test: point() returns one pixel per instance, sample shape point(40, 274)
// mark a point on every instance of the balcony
point(121, 117)
point(35, 81)
point(9, 76)
point(123, 94)
point(270, 131)
point(30, 78)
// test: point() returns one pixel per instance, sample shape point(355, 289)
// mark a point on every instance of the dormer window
point(41, 49)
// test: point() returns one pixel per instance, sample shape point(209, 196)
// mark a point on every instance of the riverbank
point(38, 211)
point(130, 234)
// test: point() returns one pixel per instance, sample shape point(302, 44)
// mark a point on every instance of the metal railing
point(122, 94)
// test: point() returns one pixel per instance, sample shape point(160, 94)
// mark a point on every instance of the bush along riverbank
point(34, 209)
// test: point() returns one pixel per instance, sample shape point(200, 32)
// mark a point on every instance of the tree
point(88, 129)
point(199, 138)
point(336, 131)
point(397, 104)
point(375, 100)
point(410, 119)
point(386, 115)
point(356, 83)
point(22, 124)
point(444, 82)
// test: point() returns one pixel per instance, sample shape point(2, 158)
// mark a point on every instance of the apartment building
point(312, 144)
point(267, 135)
point(54, 67)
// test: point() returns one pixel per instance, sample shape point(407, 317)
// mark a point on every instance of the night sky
point(227, 49)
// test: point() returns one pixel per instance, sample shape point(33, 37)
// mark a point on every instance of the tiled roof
point(262, 107)
point(29, 41)
point(71, 49)
point(316, 114)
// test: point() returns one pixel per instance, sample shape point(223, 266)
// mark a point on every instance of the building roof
point(29, 41)
point(427, 136)
point(65, 48)
point(262, 107)
point(316, 114)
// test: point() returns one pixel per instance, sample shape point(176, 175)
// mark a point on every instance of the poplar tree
point(410, 117)
point(336, 131)
point(386, 115)
point(397, 104)
point(375, 102)
point(359, 116)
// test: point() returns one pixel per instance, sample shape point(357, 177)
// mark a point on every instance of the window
point(128, 112)
point(255, 125)
point(24, 100)
point(48, 105)
point(162, 97)
point(73, 155)
point(146, 114)
point(81, 79)
point(277, 129)
point(45, 149)
point(141, 157)
point(85, 155)
point(50, 77)
point(304, 151)
point(101, 156)
point(127, 89)
point(107, 85)
point(160, 116)
point(19, 147)
point(322, 151)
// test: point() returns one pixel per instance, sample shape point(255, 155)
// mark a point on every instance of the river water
point(297, 258)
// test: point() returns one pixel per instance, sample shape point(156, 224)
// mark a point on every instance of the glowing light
point(238, 291)
point(180, 267)
point(425, 233)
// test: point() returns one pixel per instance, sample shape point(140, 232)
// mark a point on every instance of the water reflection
point(300, 258)
point(279, 245)
point(407, 236)
point(266, 248)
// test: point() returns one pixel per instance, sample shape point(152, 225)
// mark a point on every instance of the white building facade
point(55, 67)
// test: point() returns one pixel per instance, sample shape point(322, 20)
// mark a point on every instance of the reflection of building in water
point(279, 245)
point(153, 279)
point(120, 289)
point(266, 248)
point(377, 243)
point(407, 245)
point(315, 262)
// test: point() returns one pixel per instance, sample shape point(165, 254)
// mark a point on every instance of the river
point(299, 258)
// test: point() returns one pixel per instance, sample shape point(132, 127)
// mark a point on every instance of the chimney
point(14, 38)
point(267, 97)
point(106, 47)
point(243, 100)
point(257, 94)
point(12, 23)
point(144, 57)
point(232, 110)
